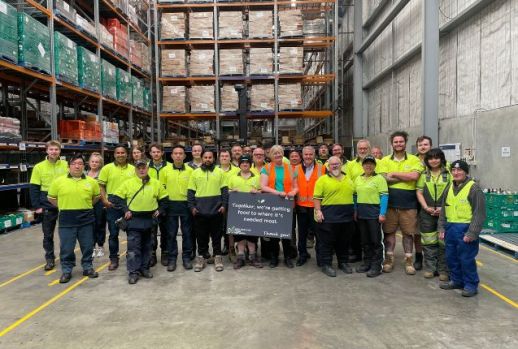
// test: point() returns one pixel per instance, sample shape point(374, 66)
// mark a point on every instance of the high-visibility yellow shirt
point(232, 171)
point(176, 181)
point(45, 172)
point(354, 168)
point(74, 193)
point(112, 176)
point(147, 199)
point(333, 191)
point(245, 185)
point(369, 189)
point(410, 163)
point(207, 183)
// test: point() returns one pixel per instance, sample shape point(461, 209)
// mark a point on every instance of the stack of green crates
point(33, 43)
point(147, 99)
point(124, 90)
point(138, 92)
point(502, 212)
point(65, 58)
point(108, 80)
point(89, 69)
point(8, 32)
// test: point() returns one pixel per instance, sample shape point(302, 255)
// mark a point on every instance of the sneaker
point(409, 266)
point(218, 263)
point(199, 264)
point(428, 274)
point(132, 279)
point(100, 251)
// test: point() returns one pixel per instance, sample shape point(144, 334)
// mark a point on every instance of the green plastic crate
point(109, 79)
point(8, 32)
point(501, 226)
point(33, 44)
point(124, 90)
point(137, 92)
point(502, 213)
point(502, 200)
point(89, 69)
point(65, 59)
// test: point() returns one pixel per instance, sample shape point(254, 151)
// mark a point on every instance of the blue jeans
point(100, 224)
point(139, 250)
point(112, 214)
point(68, 236)
point(172, 243)
point(460, 256)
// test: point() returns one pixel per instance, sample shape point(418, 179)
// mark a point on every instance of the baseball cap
point(139, 163)
point(245, 158)
point(369, 158)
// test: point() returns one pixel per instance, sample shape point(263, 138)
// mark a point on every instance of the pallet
point(8, 59)
point(34, 68)
point(507, 242)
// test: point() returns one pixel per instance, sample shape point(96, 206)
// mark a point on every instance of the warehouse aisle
point(249, 308)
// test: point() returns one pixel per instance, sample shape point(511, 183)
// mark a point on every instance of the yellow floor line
point(480, 264)
point(500, 254)
point(52, 283)
point(49, 302)
point(50, 272)
point(499, 295)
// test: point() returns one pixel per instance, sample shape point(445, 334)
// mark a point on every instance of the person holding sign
point(334, 213)
point(278, 178)
point(247, 182)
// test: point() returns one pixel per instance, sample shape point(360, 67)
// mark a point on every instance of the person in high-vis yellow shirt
point(143, 200)
point(175, 179)
point(74, 195)
point(43, 174)
point(110, 178)
point(229, 170)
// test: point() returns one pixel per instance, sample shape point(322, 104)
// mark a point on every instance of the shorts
point(238, 238)
point(404, 219)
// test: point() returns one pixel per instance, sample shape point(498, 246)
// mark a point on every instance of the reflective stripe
point(431, 238)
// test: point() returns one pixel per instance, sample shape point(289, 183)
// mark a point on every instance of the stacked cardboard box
point(173, 99)
point(63, 9)
point(229, 99)
point(9, 128)
point(135, 53)
point(200, 25)
point(231, 62)
point(261, 61)
point(33, 43)
point(202, 99)
point(8, 32)
point(108, 80)
point(230, 25)
point(291, 60)
point(173, 63)
point(172, 26)
point(290, 23)
point(88, 67)
point(260, 24)
point(85, 25)
point(65, 59)
point(146, 61)
point(120, 36)
point(290, 97)
point(201, 63)
point(314, 27)
point(110, 132)
point(123, 86)
point(262, 98)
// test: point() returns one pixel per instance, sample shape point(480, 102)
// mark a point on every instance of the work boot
point(153, 260)
point(132, 279)
point(373, 272)
point(91, 273)
point(363, 268)
point(444, 277)
point(409, 267)
point(469, 293)
point(171, 266)
point(65, 278)
point(146, 274)
point(187, 265)
point(388, 263)
point(429, 274)
point(240, 261)
point(346, 268)
point(218, 263)
point(329, 271)
point(256, 261)
point(199, 263)
point(418, 261)
point(114, 264)
point(164, 259)
point(450, 285)
point(49, 265)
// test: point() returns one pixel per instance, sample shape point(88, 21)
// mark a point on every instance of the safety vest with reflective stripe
point(457, 207)
point(306, 187)
point(288, 176)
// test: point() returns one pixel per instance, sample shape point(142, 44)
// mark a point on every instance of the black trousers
point(206, 228)
point(271, 248)
point(334, 238)
point(48, 225)
point(372, 242)
point(355, 248)
point(164, 234)
point(306, 222)
point(139, 250)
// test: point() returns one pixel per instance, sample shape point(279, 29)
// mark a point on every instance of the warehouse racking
point(321, 42)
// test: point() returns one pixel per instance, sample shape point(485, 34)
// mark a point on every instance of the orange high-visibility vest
point(288, 174)
point(306, 187)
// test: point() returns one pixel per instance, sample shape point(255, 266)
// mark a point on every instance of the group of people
point(351, 209)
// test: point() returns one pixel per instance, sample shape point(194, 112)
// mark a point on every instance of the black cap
point(369, 158)
point(245, 158)
point(139, 163)
point(460, 164)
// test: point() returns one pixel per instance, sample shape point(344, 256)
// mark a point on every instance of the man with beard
point(323, 153)
point(237, 151)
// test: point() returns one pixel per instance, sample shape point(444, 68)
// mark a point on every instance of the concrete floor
point(249, 308)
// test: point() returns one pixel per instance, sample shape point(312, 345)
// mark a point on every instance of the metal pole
point(430, 69)
point(150, 49)
point(338, 72)
point(216, 69)
point(157, 74)
point(52, 92)
point(130, 114)
point(275, 129)
point(98, 52)
point(358, 118)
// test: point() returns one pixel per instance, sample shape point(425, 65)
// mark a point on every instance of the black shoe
point(171, 266)
point(346, 268)
point(301, 261)
point(132, 279)
point(418, 261)
point(450, 285)
point(114, 264)
point(373, 273)
point(152, 261)
point(187, 265)
point(164, 259)
point(469, 293)
point(92, 274)
point(49, 265)
point(363, 268)
point(65, 278)
point(289, 263)
point(274, 262)
point(146, 274)
point(329, 271)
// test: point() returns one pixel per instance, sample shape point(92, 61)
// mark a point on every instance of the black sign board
point(264, 215)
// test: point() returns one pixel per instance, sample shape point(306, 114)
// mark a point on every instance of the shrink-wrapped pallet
point(65, 59)
point(172, 26)
point(123, 86)
point(201, 63)
point(291, 60)
point(262, 98)
point(229, 99)
point(89, 72)
point(137, 86)
point(33, 43)
point(173, 99)
point(173, 63)
point(290, 23)
point(108, 80)
point(202, 99)
point(86, 26)
point(290, 97)
point(260, 24)
point(231, 62)
point(8, 32)
point(63, 9)
point(314, 27)
point(261, 61)
point(200, 25)
point(230, 25)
